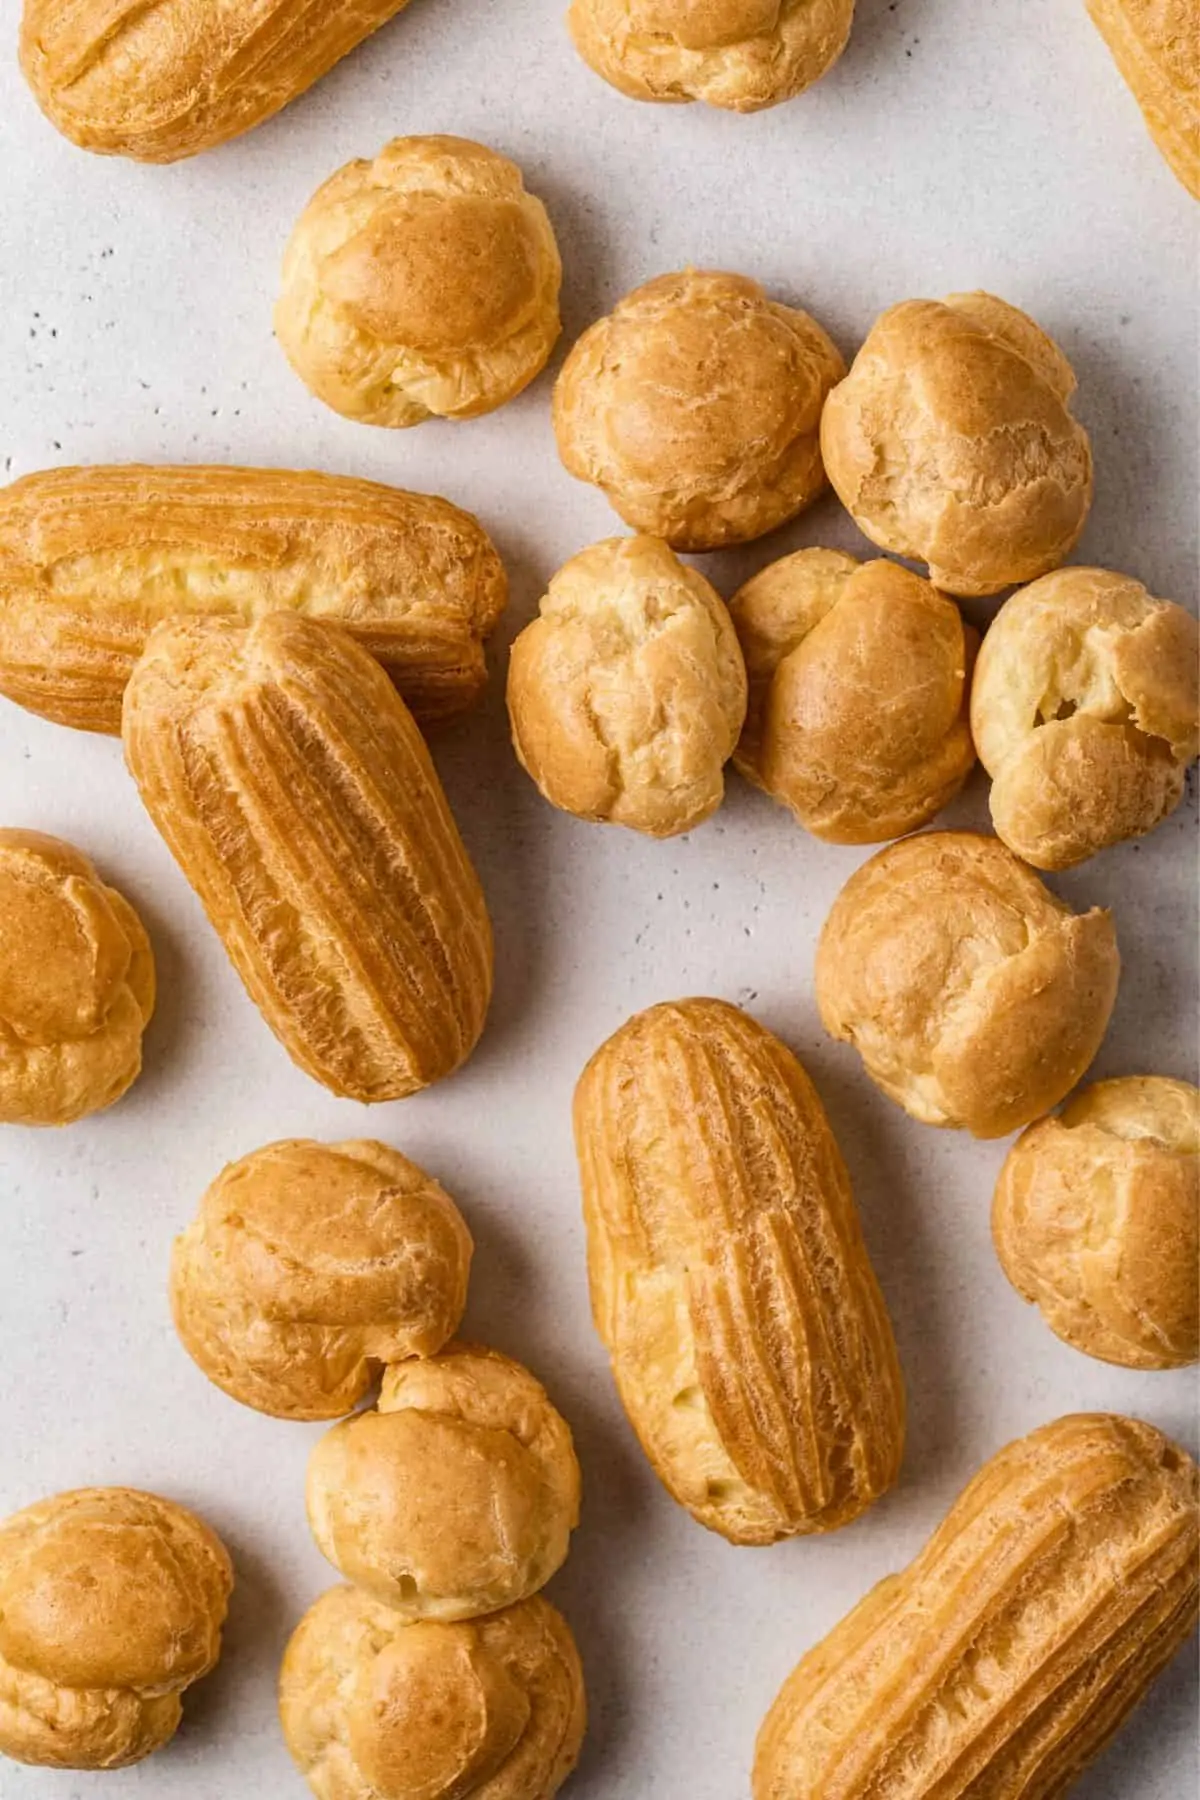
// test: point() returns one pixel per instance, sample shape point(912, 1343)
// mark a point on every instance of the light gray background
point(956, 145)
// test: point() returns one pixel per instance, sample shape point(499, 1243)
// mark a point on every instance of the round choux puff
point(627, 693)
point(1096, 1221)
point(486, 1709)
point(1086, 713)
point(423, 283)
point(974, 996)
point(951, 441)
point(695, 407)
point(76, 984)
point(859, 679)
point(308, 1265)
point(457, 1496)
point(740, 54)
point(111, 1604)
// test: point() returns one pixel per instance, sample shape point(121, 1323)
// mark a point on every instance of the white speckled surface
point(955, 146)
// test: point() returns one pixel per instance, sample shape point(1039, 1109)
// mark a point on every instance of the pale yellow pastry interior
point(1096, 1220)
point(695, 407)
point(974, 996)
point(76, 984)
point(308, 1265)
point(1086, 713)
point(859, 679)
point(111, 1604)
point(421, 284)
point(627, 693)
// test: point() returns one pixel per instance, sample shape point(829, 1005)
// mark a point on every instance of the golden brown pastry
point(297, 796)
point(975, 997)
point(730, 1283)
point(457, 1496)
point(858, 694)
point(76, 984)
point(1156, 46)
point(111, 1604)
point(1096, 1221)
point(695, 407)
point(1005, 1656)
point(626, 694)
point(951, 441)
point(742, 54)
point(308, 1265)
point(374, 1709)
point(1086, 713)
point(423, 284)
point(92, 559)
point(163, 79)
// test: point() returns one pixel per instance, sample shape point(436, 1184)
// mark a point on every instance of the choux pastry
point(298, 797)
point(730, 1283)
point(111, 1604)
point(308, 1265)
point(92, 559)
point(165, 79)
point(974, 996)
point(951, 441)
point(1097, 1221)
point(1001, 1661)
point(76, 984)
point(486, 1709)
point(858, 694)
point(423, 284)
point(1156, 46)
point(457, 1496)
point(695, 407)
point(1085, 713)
point(742, 54)
point(626, 694)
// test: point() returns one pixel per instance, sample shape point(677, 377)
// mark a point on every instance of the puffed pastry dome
point(626, 694)
point(1086, 713)
point(457, 1496)
point(741, 54)
point(695, 406)
point(1096, 1220)
point(975, 997)
point(376, 1709)
point(310, 1264)
point(858, 679)
point(111, 1604)
point(422, 283)
point(76, 984)
point(951, 441)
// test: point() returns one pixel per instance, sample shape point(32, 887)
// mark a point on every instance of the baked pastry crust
point(626, 694)
point(424, 283)
point(490, 1709)
point(167, 79)
point(695, 407)
point(297, 795)
point(308, 1265)
point(730, 1283)
point(1096, 1220)
point(457, 1496)
point(92, 559)
point(975, 997)
point(858, 676)
point(741, 54)
point(951, 441)
point(1156, 46)
point(76, 984)
point(111, 1604)
point(1086, 712)
point(1005, 1656)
